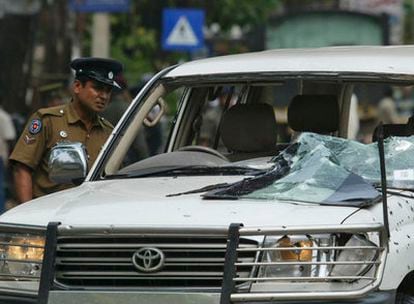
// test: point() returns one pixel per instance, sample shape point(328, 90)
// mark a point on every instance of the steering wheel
point(204, 150)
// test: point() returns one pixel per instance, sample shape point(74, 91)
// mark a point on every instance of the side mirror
point(68, 163)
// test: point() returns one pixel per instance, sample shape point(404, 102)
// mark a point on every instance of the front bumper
point(106, 297)
point(66, 297)
point(50, 292)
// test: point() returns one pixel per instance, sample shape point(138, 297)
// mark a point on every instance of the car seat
point(395, 130)
point(314, 113)
point(249, 131)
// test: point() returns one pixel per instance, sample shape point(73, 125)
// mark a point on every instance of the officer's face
point(94, 95)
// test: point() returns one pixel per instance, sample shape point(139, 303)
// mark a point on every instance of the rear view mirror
point(68, 163)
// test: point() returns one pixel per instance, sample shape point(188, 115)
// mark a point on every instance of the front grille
point(106, 261)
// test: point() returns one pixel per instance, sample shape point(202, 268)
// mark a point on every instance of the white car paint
point(400, 259)
point(357, 59)
point(134, 202)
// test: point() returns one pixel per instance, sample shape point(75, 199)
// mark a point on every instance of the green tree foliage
point(408, 22)
point(135, 47)
point(241, 12)
point(136, 35)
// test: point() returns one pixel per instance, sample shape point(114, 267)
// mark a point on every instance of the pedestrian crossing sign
point(182, 29)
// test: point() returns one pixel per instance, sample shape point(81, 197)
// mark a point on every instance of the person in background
point(77, 121)
point(405, 102)
point(54, 99)
point(211, 119)
point(120, 101)
point(7, 136)
point(387, 108)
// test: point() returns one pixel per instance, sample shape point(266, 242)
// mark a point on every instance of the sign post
point(182, 29)
point(102, 6)
point(101, 25)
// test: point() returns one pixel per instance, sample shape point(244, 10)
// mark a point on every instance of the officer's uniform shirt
point(49, 126)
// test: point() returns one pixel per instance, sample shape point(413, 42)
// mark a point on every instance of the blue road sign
point(94, 6)
point(182, 29)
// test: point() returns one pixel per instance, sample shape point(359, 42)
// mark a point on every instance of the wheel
point(403, 298)
point(204, 150)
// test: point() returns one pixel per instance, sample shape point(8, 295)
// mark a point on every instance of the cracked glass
point(330, 170)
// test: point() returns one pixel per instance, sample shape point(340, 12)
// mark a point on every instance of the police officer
point(76, 121)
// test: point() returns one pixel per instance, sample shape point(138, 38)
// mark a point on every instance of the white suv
point(245, 203)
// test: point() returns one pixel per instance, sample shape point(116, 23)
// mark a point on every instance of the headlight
point(289, 250)
point(316, 256)
point(357, 254)
point(21, 255)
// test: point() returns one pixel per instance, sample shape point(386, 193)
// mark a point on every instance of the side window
point(152, 136)
point(390, 104)
point(212, 113)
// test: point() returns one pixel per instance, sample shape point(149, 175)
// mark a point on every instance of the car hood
point(144, 202)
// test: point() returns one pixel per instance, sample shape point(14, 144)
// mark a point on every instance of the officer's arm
point(23, 182)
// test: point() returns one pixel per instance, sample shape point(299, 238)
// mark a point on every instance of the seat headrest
point(392, 130)
point(314, 113)
point(249, 128)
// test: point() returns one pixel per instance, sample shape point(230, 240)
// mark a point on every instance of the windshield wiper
point(188, 171)
point(395, 191)
point(251, 184)
point(378, 186)
point(200, 190)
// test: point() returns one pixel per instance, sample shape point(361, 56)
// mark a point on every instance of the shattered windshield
point(329, 170)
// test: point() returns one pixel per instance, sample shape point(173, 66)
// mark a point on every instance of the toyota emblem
point(148, 259)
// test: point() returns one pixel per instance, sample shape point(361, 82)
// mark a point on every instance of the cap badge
point(110, 75)
point(63, 134)
point(35, 126)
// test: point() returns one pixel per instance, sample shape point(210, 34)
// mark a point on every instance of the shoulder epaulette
point(55, 111)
